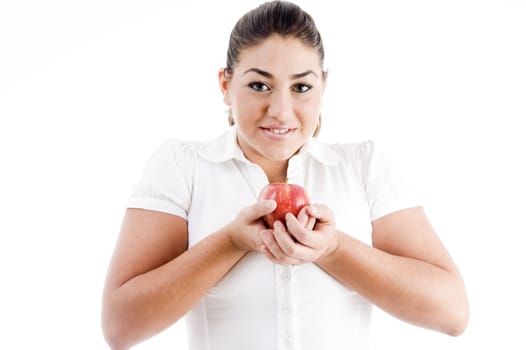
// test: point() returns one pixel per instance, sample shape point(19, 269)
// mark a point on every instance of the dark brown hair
point(274, 17)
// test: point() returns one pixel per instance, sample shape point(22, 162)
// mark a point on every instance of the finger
point(283, 238)
point(297, 249)
point(293, 253)
point(310, 223)
point(259, 209)
point(268, 254)
point(285, 261)
point(298, 231)
point(272, 246)
point(305, 219)
point(321, 213)
point(302, 216)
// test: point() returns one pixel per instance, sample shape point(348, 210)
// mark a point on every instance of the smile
point(278, 134)
point(279, 131)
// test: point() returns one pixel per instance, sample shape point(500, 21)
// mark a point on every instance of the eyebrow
point(270, 76)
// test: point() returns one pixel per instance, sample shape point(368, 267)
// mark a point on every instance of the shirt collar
point(225, 147)
point(321, 151)
point(222, 148)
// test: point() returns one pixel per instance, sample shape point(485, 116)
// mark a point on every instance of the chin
point(279, 155)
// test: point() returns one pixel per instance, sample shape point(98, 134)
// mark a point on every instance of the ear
point(325, 76)
point(224, 82)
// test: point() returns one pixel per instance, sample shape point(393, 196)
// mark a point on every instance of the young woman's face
point(275, 94)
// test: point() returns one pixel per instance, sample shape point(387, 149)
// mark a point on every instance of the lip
point(277, 132)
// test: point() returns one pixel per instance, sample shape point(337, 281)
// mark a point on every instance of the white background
point(88, 89)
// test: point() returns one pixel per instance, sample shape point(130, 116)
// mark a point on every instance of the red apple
point(289, 198)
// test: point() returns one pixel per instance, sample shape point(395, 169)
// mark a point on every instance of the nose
point(280, 105)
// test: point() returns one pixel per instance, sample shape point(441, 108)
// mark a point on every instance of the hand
point(307, 238)
point(244, 231)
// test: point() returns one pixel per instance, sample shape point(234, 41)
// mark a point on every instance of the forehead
point(280, 54)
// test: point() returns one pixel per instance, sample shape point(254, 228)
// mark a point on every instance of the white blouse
point(259, 305)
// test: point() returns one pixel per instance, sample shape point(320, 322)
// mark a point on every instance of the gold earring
point(231, 120)
point(318, 127)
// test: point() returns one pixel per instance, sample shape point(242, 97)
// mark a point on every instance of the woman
point(193, 243)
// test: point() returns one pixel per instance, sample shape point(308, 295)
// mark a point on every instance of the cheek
point(248, 104)
point(243, 113)
point(247, 109)
point(310, 111)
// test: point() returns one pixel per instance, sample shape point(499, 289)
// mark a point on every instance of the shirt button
point(285, 309)
point(285, 276)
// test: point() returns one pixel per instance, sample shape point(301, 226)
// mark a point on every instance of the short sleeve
point(387, 188)
point(166, 181)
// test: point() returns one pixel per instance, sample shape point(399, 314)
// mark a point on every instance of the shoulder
point(356, 150)
point(177, 146)
point(363, 159)
point(175, 150)
point(171, 158)
point(181, 151)
point(350, 152)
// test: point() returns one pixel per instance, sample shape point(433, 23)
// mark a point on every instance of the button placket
point(253, 175)
point(295, 171)
point(285, 307)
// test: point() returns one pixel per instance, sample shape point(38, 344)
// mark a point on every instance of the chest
point(221, 190)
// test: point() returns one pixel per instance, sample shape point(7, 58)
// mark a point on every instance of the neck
point(275, 171)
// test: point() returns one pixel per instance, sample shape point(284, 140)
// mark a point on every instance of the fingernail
point(265, 235)
point(269, 204)
point(277, 224)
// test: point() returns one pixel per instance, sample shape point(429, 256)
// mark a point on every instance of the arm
point(407, 272)
point(153, 279)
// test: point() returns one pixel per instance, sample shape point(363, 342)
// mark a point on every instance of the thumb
point(255, 211)
point(261, 208)
point(321, 212)
point(266, 206)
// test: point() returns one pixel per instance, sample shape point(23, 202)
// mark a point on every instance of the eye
point(301, 88)
point(259, 86)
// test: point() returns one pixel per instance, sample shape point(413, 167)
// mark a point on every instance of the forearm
point(151, 302)
point(412, 290)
